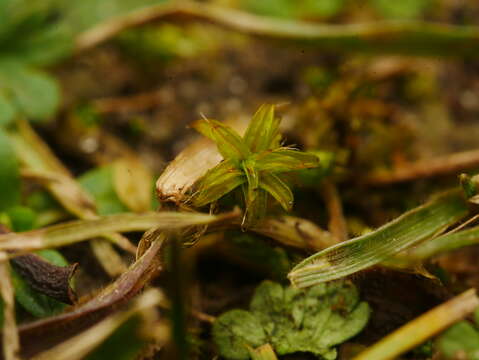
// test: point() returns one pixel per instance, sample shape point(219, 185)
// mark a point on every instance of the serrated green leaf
point(99, 183)
point(277, 189)
point(262, 132)
point(9, 174)
point(293, 320)
point(34, 93)
point(229, 143)
point(285, 159)
point(234, 331)
point(217, 182)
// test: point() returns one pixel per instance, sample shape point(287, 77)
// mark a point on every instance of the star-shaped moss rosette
point(292, 320)
point(255, 163)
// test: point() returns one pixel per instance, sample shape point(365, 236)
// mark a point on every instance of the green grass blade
point(445, 243)
point(362, 252)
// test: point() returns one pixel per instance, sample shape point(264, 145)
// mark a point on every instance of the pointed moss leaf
point(293, 320)
point(33, 93)
point(461, 341)
point(277, 189)
point(263, 130)
point(217, 182)
point(39, 305)
point(229, 143)
point(99, 183)
point(9, 174)
point(7, 110)
point(285, 159)
point(234, 331)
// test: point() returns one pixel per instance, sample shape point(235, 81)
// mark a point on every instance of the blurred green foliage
point(461, 341)
point(31, 37)
point(99, 183)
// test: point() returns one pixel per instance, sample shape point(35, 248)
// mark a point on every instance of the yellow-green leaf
point(229, 143)
point(263, 130)
point(217, 182)
point(285, 159)
point(277, 189)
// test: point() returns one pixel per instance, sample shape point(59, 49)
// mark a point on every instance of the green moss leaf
point(285, 159)
point(229, 143)
point(217, 182)
point(293, 320)
point(278, 190)
point(263, 130)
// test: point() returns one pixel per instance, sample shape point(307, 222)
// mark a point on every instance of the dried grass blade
point(80, 230)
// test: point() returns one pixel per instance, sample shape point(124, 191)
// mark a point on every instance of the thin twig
point(415, 38)
point(337, 224)
point(449, 164)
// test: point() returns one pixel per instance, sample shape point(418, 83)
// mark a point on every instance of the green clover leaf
point(293, 320)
